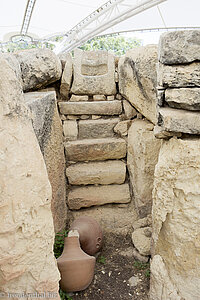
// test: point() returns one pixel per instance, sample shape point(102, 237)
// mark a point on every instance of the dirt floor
point(115, 266)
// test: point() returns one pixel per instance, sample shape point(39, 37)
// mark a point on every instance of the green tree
point(118, 44)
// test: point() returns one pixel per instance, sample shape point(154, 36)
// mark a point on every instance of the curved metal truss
point(108, 15)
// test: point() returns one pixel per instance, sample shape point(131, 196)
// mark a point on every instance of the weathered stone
point(179, 47)
point(119, 97)
point(66, 79)
point(141, 241)
point(99, 97)
point(39, 68)
point(48, 130)
point(14, 64)
point(108, 172)
point(72, 117)
point(144, 222)
point(113, 218)
point(161, 286)
point(98, 195)
point(84, 117)
point(122, 127)
point(160, 133)
point(70, 130)
point(160, 96)
point(179, 75)
point(129, 110)
point(179, 120)
point(95, 149)
point(94, 73)
point(26, 225)
point(97, 128)
point(140, 257)
point(175, 216)
point(185, 98)
point(134, 281)
point(91, 108)
point(143, 150)
point(79, 98)
point(137, 79)
point(96, 117)
point(111, 98)
point(116, 76)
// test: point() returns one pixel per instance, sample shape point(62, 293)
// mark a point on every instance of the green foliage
point(142, 266)
point(64, 296)
point(118, 44)
point(101, 259)
point(59, 242)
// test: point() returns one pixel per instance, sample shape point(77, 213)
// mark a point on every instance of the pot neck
point(72, 241)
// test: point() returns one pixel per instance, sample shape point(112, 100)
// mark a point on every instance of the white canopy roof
point(55, 16)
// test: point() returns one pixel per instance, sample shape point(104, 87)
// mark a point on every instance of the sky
point(55, 16)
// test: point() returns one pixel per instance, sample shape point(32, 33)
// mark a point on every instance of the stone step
point(108, 172)
point(95, 149)
point(102, 128)
point(98, 195)
point(91, 108)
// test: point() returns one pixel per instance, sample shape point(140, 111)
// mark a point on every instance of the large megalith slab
point(138, 79)
point(27, 263)
point(39, 68)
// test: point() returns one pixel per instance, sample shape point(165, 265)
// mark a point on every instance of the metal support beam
point(27, 16)
point(108, 15)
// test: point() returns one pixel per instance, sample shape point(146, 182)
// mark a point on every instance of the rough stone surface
point(70, 130)
point(66, 79)
point(109, 216)
point(179, 75)
point(95, 149)
point(142, 241)
point(94, 73)
point(134, 281)
point(97, 128)
point(143, 150)
point(91, 108)
point(48, 130)
point(99, 97)
point(14, 64)
point(122, 127)
point(139, 257)
point(111, 98)
point(108, 172)
point(179, 120)
point(26, 225)
point(79, 98)
point(176, 222)
point(129, 110)
point(160, 133)
point(184, 98)
point(39, 68)
point(137, 79)
point(98, 195)
point(144, 222)
point(179, 47)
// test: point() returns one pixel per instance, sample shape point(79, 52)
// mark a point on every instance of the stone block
point(122, 128)
point(95, 149)
point(111, 98)
point(142, 157)
point(184, 98)
point(141, 239)
point(187, 75)
point(49, 132)
point(97, 128)
point(179, 120)
point(98, 195)
point(94, 73)
point(78, 98)
point(91, 108)
point(138, 79)
point(176, 222)
point(70, 130)
point(179, 47)
point(66, 79)
point(129, 110)
point(99, 97)
point(160, 133)
point(108, 172)
point(39, 68)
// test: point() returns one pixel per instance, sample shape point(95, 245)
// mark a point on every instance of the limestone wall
point(176, 210)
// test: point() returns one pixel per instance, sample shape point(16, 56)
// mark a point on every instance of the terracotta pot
point(76, 267)
point(90, 234)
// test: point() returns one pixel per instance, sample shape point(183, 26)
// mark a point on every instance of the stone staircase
point(95, 154)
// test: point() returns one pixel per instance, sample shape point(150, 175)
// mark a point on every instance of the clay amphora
point(90, 234)
point(76, 267)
